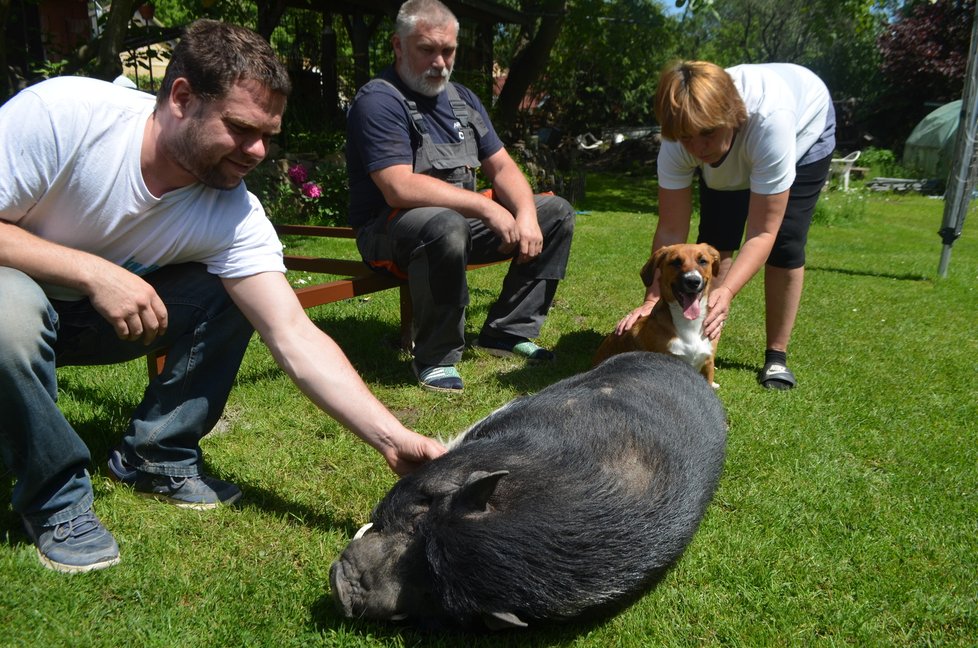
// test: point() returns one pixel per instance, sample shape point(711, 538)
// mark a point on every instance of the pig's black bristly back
point(609, 475)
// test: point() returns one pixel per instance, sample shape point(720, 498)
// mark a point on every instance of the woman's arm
point(764, 217)
point(675, 211)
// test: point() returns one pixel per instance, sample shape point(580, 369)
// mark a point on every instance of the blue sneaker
point(439, 378)
point(513, 347)
point(79, 545)
point(199, 493)
point(119, 469)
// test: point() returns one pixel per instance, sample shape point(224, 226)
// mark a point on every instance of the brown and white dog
point(675, 325)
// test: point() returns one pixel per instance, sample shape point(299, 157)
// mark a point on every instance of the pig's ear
point(502, 620)
point(473, 496)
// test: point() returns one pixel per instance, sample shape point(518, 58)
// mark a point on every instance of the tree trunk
point(529, 63)
point(269, 16)
point(107, 63)
point(361, 31)
point(327, 71)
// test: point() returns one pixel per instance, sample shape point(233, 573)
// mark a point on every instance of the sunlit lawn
point(846, 513)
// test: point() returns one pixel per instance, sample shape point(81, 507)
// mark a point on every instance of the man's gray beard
point(423, 84)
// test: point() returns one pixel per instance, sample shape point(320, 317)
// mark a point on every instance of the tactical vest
point(453, 162)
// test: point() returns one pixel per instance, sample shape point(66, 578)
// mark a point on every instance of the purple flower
point(298, 174)
point(311, 190)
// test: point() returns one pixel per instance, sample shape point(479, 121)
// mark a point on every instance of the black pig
point(572, 501)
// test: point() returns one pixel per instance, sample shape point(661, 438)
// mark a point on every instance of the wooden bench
point(355, 278)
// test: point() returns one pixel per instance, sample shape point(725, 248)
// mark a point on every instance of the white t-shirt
point(787, 110)
point(70, 173)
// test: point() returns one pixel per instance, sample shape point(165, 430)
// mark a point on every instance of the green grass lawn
point(847, 513)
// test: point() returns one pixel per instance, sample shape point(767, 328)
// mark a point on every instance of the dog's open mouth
point(690, 303)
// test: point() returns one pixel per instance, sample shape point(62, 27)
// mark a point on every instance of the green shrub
point(882, 163)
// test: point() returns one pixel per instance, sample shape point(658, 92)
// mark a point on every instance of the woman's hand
point(719, 309)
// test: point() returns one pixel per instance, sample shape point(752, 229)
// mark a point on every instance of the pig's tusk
point(363, 530)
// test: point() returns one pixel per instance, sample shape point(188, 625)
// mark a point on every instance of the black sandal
point(775, 375)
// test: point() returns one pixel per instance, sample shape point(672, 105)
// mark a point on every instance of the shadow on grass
point(725, 364)
point(620, 193)
point(264, 500)
point(268, 501)
point(574, 352)
point(326, 617)
point(372, 345)
point(866, 273)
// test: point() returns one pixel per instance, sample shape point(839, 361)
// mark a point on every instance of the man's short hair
point(213, 56)
point(697, 96)
point(412, 12)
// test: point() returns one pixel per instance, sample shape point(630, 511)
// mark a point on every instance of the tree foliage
point(926, 50)
point(923, 54)
point(602, 66)
point(536, 42)
point(593, 64)
point(835, 38)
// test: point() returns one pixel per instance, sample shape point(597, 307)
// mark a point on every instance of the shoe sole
point(434, 388)
point(777, 380)
point(75, 569)
point(440, 390)
point(503, 353)
point(191, 506)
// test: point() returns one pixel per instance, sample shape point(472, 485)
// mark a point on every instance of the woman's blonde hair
point(697, 96)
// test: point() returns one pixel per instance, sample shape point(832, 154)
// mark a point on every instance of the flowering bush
point(300, 177)
point(310, 191)
point(298, 174)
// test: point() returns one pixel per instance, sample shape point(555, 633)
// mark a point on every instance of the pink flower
point(298, 174)
point(311, 190)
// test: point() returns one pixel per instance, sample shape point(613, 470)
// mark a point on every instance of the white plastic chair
point(588, 142)
point(843, 166)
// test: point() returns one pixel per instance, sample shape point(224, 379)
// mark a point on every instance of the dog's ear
point(648, 270)
point(659, 256)
point(715, 257)
point(647, 273)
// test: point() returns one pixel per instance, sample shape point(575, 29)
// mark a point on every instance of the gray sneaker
point(78, 545)
point(199, 493)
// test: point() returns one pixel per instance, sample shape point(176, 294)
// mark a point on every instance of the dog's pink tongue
point(691, 306)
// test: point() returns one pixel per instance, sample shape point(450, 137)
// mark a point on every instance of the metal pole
point(961, 182)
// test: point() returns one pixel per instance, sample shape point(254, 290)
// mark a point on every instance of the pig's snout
point(342, 592)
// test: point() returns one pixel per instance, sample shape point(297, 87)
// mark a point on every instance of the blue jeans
point(205, 340)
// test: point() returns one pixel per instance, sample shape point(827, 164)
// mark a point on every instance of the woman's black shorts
point(723, 216)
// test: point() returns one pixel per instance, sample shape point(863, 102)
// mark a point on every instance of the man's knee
point(446, 230)
point(556, 217)
point(25, 313)
point(445, 239)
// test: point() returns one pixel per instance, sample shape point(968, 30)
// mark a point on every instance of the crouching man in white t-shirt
point(125, 228)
